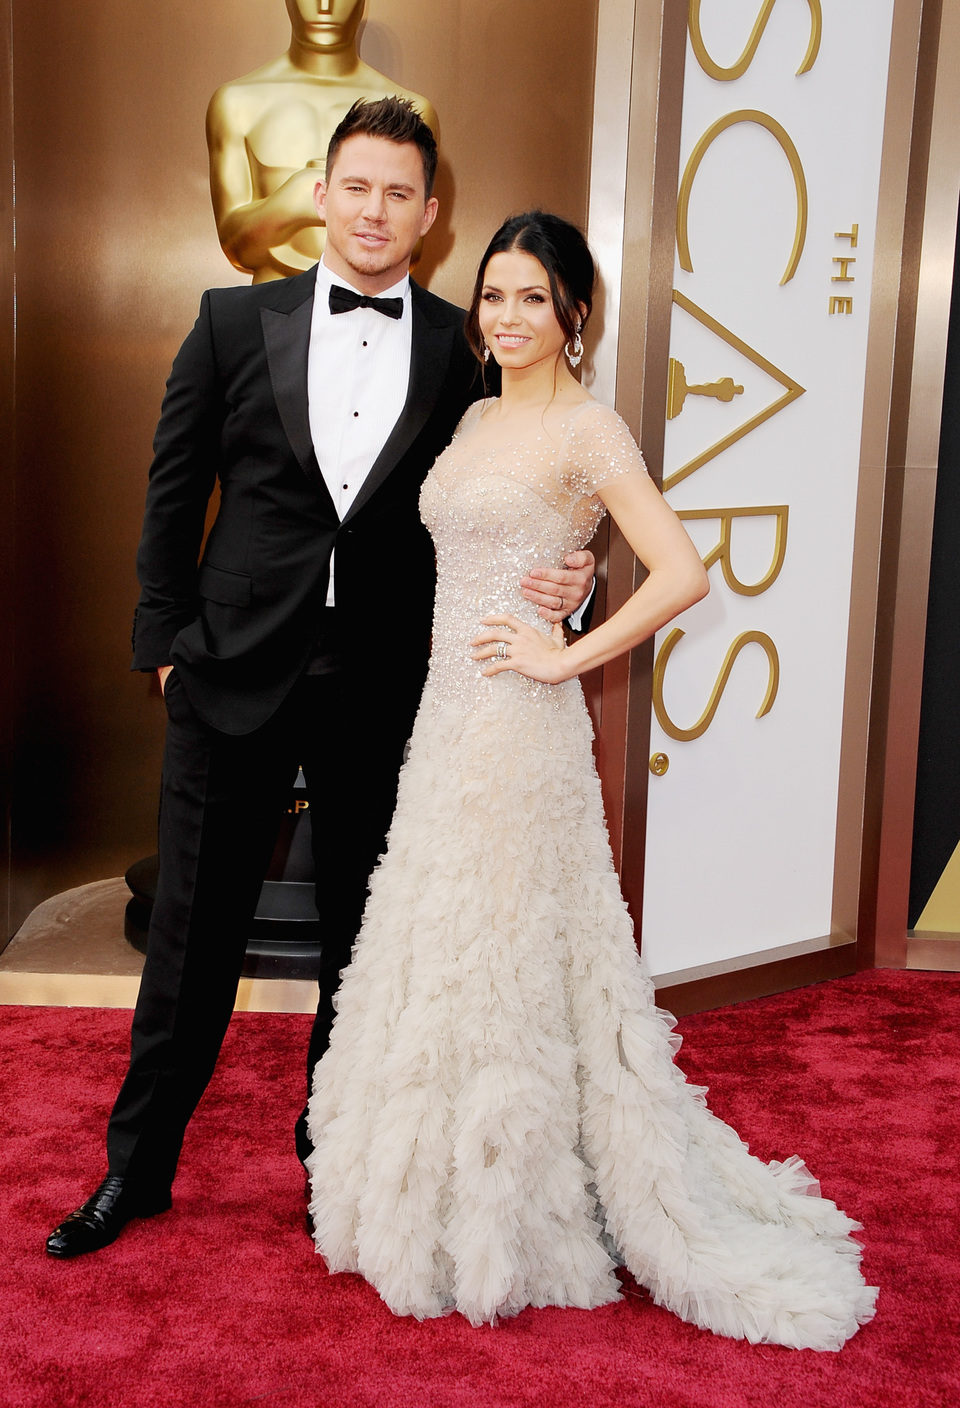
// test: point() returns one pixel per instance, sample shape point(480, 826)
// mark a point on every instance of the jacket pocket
point(222, 585)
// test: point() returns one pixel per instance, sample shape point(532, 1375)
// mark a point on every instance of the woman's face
point(516, 311)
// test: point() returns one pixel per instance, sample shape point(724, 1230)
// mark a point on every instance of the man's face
point(374, 206)
point(325, 24)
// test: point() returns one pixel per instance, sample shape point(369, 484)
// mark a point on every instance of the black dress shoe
point(100, 1220)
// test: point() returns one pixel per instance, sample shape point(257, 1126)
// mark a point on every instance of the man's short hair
point(394, 119)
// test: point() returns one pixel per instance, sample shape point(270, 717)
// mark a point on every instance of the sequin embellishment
point(496, 513)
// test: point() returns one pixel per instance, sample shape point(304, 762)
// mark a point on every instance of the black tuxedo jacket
point(239, 625)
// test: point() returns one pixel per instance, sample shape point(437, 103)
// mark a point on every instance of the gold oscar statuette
point(678, 388)
point(267, 136)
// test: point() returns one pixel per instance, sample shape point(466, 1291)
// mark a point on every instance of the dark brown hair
point(394, 119)
point(564, 254)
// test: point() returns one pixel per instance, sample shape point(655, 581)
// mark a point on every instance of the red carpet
point(222, 1302)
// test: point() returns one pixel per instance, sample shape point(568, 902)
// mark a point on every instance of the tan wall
point(115, 242)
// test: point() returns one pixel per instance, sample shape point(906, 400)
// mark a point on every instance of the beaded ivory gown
point(499, 1121)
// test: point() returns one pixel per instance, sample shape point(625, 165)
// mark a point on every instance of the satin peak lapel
point(286, 337)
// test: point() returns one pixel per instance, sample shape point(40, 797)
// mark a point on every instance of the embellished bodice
point(495, 512)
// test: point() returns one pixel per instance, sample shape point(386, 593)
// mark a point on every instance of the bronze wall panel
point(115, 244)
point(903, 440)
point(656, 106)
point(7, 306)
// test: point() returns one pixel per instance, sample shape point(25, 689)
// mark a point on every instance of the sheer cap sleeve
point(470, 416)
point(601, 449)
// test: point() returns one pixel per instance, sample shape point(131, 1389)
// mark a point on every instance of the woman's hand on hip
point(507, 643)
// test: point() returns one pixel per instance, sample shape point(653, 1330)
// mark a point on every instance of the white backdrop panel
point(741, 827)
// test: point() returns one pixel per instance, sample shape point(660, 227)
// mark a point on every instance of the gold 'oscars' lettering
point(791, 390)
point(722, 551)
point(779, 133)
point(687, 735)
point(737, 70)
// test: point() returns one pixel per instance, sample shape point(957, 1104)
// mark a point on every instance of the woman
point(499, 1121)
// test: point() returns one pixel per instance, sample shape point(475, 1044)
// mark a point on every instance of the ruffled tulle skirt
point(499, 1121)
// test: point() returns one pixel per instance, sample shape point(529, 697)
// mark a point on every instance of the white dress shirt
point(358, 368)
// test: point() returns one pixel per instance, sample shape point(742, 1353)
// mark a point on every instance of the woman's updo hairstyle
point(563, 252)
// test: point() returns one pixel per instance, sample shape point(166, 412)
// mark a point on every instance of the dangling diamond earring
point(486, 353)
point(574, 353)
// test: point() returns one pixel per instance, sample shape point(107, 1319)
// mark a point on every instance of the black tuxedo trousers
point(221, 800)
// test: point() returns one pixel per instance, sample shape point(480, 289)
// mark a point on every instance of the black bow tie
point(342, 300)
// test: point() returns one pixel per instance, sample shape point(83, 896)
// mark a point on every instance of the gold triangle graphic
point(792, 389)
point(941, 913)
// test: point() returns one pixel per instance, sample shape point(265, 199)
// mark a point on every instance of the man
point(302, 637)
point(267, 133)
